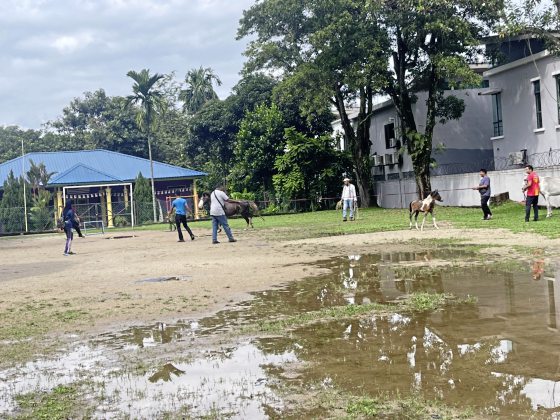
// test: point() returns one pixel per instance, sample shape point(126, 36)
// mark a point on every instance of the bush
point(243, 195)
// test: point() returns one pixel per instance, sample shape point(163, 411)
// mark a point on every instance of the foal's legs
point(423, 221)
point(434, 221)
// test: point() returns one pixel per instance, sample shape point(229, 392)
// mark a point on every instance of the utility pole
point(24, 188)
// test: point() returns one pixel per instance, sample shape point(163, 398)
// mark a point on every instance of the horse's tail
point(255, 209)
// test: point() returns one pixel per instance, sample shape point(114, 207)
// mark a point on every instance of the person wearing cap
point(349, 199)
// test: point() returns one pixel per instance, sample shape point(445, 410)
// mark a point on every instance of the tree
point(11, 206)
point(431, 43)
point(98, 121)
point(142, 196)
point(259, 141)
point(331, 52)
point(150, 104)
point(199, 89)
point(38, 176)
point(310, 167)
point(540, 18)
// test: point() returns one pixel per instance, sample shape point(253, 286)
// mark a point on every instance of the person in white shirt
point(349, 199)
point(218, 200)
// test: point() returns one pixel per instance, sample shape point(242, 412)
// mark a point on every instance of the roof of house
point(94, 166)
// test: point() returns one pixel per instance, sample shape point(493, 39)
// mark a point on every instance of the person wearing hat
point(349, 199)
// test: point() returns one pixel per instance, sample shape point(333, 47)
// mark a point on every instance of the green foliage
point(367, 407)
point(142, 196)
point(199, 89)
point(12, 203)
point(259, 142)
point(310, 167)
point(245, 195)
point(41, 216)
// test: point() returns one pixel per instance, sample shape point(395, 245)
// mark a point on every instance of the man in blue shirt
point(484, 190)
point(181, 207)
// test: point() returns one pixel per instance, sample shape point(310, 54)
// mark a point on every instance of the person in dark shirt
point(485, 192)
point(68, 217)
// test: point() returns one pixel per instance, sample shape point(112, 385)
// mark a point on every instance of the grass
point(62, 402)
point(415, 302)
point(508, 216)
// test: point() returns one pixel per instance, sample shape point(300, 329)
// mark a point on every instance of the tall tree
point(330, 51)
point(259, 141)
point(431, 43)
point(199, 89)
point(150, 104)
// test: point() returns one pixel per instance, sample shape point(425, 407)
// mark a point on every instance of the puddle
point(164, 279)
point(499, 355)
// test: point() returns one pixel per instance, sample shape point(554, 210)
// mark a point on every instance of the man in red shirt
point(532, 189)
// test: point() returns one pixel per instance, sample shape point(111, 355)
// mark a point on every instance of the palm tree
point(151, 104)
point(38, 176)
point(199, 89)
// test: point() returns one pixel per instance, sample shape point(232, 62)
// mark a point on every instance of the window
point(497, 114)
point(557, 78)
point(390, 136)
point(538, 106)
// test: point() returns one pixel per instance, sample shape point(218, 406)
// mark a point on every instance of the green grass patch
point(508, 216)
point(63, 402)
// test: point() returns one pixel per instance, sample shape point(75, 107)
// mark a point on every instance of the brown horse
point(245, 208)
point(425, 206)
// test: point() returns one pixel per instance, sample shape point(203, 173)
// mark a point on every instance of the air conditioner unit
point(392, 143)
point(516, 158)
point(389, 159)
point(396, 157)
point(377, 160)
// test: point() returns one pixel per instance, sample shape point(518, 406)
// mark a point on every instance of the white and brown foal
point(425, 206)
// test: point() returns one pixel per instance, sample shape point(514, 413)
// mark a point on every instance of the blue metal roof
point(77, 173)
point(94, 166)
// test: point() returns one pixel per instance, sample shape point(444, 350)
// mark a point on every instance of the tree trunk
point(359, 141)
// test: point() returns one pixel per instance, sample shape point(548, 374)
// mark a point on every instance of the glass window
point(538, 105)
point(497, 114)
point(390, 136)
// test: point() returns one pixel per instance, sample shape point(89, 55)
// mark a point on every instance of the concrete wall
point(518, 107)
point(462, 141)
point(397, 194)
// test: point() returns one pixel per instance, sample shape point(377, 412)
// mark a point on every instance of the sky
point(52, 51)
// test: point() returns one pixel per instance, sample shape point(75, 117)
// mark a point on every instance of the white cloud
point(58, 49)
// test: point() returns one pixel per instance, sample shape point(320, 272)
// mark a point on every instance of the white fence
point(455, 189)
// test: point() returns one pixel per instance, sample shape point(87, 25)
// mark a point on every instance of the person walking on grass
point(180, 206)
point(218, 201)
point(484, 190)
point(349, 199)
point(532, 190)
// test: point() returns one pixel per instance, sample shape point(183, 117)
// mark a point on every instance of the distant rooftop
point(94, 166)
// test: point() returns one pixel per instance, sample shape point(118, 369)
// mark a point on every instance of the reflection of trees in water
point(399, 354)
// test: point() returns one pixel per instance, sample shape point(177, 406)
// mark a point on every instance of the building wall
point(466, 140)
point(518, 108)
point(456, 189)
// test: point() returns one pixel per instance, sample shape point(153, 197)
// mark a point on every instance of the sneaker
point(215, 242)
point(71, 253)
point(181, 240)
point(351, 219)
point(232, 240)
point(489, 217)
point(192, 237)
point(65, 254)
point(344, 220)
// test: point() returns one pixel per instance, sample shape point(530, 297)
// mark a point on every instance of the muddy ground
point(115, 280)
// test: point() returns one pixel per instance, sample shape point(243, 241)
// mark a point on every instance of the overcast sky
point(52, 51)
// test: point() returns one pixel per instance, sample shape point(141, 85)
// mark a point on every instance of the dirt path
point(105, 278)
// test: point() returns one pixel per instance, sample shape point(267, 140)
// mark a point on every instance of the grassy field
point(329, 223)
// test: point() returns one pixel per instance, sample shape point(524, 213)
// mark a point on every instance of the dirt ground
point(105, 277)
